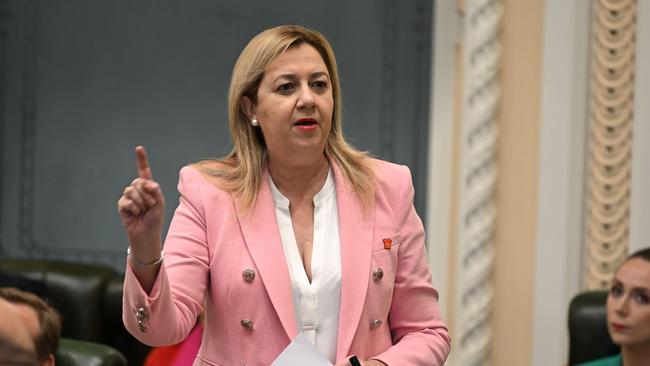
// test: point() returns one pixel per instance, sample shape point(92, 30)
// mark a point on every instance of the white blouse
point(317, 303)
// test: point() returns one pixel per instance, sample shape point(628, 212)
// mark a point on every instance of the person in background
point(43, 323)
point(294, 232)
point(16, 346)
point(628, 312)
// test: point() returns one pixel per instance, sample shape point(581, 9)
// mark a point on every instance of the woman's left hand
point(346, 362)
point(372, 363)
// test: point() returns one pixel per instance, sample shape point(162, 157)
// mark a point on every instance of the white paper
point(301, 352)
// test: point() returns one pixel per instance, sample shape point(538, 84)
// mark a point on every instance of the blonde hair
point(241, 170)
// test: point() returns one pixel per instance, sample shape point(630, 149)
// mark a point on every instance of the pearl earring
point(254, 122)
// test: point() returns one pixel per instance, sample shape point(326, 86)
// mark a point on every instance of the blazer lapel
point(262, 236)
point(356, 227)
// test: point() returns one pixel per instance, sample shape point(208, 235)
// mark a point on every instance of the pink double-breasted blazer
point(212, 240)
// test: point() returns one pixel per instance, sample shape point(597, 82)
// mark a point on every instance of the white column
point(640, 189)
point(441, 136)
point(560, 182)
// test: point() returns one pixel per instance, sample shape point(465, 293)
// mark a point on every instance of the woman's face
point(628, 304)
point(294, 104)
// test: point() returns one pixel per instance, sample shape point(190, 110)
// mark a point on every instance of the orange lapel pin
point(387, 243)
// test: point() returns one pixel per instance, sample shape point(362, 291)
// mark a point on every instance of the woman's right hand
point(142, 211)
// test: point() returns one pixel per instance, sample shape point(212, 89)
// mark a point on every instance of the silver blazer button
point(378, 274)
point(248, 275)
point(247, 323)
point(142, 315)
point(375, 324)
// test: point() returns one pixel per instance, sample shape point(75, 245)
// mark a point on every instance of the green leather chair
point(588, 336)
point(80, 353)
point(89, 298)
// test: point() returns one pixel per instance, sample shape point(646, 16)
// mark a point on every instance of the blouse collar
point(326, 191)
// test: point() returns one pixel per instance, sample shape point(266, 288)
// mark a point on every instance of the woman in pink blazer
point(291, 192)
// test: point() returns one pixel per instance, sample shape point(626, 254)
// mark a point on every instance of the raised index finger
point(144, 171)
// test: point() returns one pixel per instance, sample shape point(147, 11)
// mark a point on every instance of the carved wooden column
point(478, 174)
point(610, 139)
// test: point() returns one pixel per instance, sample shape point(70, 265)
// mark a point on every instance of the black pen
point(354, 361)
